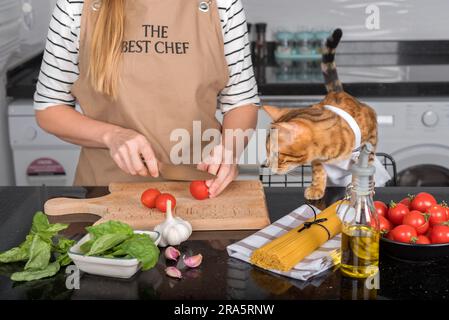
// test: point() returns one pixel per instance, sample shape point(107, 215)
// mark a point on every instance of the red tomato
point(437, 214)
point(422, 202)
point(161, 201)
point(417, 220)
point(403, 233)
point(397, 212)
point(406, 201)
point(440, 234)
point(199, 190)
point(444, 205)
point(148, 197)
point(384, 225)
point(381, 208)
point(421, 240)
point(429, 232)
point(390, 236)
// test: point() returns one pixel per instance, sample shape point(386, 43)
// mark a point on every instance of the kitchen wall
point(398, 19)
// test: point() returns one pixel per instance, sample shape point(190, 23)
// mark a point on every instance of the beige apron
point(173, 67)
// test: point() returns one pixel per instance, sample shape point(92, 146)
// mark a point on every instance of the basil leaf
point(30, 275)
point(40, 223)
point(63, 245)
point(142, 248)
point(85, 247)
point(64, 259)
point(106, 242)
point(40, 253)
point(110, 227)
point(20, 253)
point(42, 227)
point(119, 253)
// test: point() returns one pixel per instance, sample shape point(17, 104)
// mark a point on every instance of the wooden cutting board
point(241, 206)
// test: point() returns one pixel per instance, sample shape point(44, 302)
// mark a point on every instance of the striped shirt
point(60, 67)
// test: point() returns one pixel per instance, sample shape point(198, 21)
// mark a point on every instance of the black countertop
point(219, 277)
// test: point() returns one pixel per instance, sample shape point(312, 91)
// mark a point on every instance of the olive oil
point(359, 251)
point(360, 223)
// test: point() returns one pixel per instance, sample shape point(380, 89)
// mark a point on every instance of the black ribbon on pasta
point(309, 224)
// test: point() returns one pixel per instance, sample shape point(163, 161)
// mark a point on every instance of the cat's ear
point(286, 126)
point(274, 112)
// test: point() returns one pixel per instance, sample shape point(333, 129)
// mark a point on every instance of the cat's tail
point(328, 66)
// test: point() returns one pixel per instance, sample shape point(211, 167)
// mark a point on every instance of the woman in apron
point(142, 70)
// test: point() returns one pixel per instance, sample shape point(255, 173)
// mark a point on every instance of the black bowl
point(414, 252)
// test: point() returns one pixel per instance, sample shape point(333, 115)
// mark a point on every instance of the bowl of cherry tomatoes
point(415, 228)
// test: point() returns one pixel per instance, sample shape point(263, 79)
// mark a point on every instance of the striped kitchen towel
point(325, 257)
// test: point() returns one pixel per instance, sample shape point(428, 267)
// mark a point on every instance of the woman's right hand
point(129, 149)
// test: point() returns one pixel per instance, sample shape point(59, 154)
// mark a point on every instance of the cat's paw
point(314, 193)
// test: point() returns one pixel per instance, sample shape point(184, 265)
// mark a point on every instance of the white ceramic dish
point(117, 267)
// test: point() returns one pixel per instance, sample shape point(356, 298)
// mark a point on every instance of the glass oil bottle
point(360, 223)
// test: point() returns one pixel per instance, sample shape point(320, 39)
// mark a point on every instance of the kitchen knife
point(183, 172)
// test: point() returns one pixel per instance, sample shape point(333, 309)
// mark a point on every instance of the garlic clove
point(172, 253)
point(193, 261)
point(173, 272)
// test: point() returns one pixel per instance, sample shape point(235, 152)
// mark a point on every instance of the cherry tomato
point(397, 212)
point(403, 233)
point(406, 201)
point(422, 202)
point(148, 197)
point(440, 234)
point(381, 208)
point(417, 220)
point(421, 240)
point(437, 214)
point(199, 190)
point(444, 205)
point(161, 201)
point(384, 225)
point(429, 232)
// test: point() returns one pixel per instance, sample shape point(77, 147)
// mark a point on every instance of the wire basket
point(302, 175)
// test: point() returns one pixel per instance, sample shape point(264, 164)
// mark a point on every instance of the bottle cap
point(362, 171)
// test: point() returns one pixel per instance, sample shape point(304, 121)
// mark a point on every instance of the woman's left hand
point(225, 172)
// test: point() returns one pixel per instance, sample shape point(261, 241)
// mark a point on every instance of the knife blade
point(183, 172)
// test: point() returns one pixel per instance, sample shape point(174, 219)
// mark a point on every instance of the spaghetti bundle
point(288, 250)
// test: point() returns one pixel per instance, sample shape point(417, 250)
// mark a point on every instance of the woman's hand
point(226, 171)
point(129, 149)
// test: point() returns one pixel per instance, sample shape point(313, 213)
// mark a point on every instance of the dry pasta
point(288, 250)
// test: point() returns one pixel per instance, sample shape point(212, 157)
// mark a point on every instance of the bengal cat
point(315, 135)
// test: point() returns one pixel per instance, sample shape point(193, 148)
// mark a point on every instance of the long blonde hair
point(106, 47)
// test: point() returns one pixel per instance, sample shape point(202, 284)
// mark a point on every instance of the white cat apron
point(339, 173)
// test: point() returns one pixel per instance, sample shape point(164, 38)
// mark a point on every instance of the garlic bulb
point(173, 230)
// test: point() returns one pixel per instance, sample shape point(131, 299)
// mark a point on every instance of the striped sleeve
point(59, 68)
point(242, 87)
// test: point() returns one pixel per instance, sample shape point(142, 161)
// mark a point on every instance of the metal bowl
point(414, 252)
